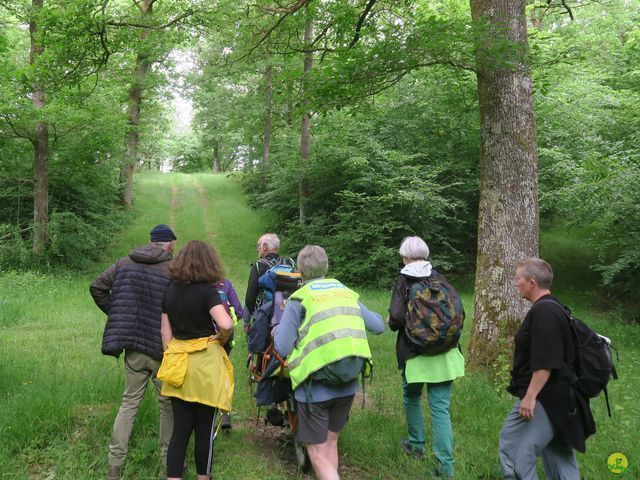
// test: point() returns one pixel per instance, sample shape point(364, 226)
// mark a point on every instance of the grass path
point(59, 395)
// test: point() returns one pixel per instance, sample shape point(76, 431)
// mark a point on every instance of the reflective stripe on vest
point(333, 328)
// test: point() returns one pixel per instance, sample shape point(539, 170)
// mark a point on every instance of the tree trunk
point(508, 210)
point(135, 100)
point(305, 133)
point(216, 167)
point(40, 142)
point(266, 140)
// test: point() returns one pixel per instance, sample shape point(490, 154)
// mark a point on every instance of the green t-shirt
point(434, 369)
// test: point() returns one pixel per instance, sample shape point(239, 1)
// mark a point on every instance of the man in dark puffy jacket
point(130, 292)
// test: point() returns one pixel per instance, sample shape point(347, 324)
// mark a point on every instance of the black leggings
point(189, 417)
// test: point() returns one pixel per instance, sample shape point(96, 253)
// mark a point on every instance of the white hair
point(414, 248)
point(271, 241)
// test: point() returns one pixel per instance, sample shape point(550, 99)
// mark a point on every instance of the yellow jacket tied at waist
point(199, 371)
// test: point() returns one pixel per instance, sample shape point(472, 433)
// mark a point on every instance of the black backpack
point(593, 366)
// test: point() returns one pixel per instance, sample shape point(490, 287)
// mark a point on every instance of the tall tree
point(217, 166)
point(143, 62)
point(305, 129)
point(266, 138)
point(508, 210)
point(41, 137)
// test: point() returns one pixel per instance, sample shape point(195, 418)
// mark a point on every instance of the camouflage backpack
point(435, 315)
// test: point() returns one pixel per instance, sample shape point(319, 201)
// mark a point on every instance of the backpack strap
point(568, 370)
point(267, 263)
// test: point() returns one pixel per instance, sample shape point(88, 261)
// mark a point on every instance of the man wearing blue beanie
point(130, 292)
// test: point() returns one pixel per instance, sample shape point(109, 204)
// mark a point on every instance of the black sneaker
point(410, 450)
point(275, 417)
point(226, 421)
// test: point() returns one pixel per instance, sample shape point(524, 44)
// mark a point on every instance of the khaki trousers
point(138, 370)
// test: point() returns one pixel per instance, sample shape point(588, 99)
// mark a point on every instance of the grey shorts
point(324, 416)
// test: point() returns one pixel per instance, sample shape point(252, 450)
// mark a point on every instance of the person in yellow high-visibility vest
point(323, 322)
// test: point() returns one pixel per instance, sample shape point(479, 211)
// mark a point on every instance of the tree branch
point(8, 235)
point(14, 129)
point(186, 14)
point(564, 4)
point(264, 37)
point(361, 20)
point(287, 10)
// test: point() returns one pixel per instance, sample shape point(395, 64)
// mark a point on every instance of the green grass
point(59, 395)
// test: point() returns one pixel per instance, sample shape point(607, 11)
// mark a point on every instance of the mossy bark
point(508, 210)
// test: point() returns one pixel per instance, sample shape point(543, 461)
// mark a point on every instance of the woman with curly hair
point(196, 371)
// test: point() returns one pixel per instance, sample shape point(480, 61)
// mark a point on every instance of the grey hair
point(313, 262)
point(537, 269)
point(414, 248)
point(165, 245)
point(271, 240)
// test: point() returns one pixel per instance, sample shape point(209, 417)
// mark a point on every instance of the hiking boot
point(226, 421)
point(410, 450)
point(114, 472)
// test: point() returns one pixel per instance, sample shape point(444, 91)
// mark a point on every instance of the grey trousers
point(138, 370)
point(522, 441)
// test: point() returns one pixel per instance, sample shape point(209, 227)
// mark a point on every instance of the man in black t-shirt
point(540, 423)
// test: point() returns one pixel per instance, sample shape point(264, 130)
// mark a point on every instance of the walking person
point(323, 322)
point(233, 307)
point(436, 371)
point(268, 248)
point(130, 292)
point(546, 420)
point(196, 370)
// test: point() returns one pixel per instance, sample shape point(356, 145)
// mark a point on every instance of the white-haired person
point(323, 322)
point(268, 248)
point(437, 372)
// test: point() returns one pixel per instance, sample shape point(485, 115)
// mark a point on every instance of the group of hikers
point(174, 316)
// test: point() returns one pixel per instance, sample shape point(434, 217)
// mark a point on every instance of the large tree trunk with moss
point(508, 210)
point(40, 141)
point(305, 133)
point(135, 101)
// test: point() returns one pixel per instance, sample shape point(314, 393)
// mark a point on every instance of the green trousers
point(138, 370)
point(439, 398)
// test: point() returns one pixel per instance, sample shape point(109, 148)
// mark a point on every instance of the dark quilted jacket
point(130, 292)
